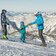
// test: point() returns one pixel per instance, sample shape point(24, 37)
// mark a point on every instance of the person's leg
point(41, 37)
point(24, 36)
point(5, 32)
point(21, 38)
point(3, 29)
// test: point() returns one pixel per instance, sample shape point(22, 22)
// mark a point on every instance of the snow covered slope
point(9, 48)
point(31, 48)
point(50, 26)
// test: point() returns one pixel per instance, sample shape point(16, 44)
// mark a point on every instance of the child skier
point(23, 31)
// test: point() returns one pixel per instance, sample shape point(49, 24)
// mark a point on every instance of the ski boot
point(44, 45)
point(5, 36)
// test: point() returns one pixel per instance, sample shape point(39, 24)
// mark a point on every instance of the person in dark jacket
point(4, 23)
point(40, 22)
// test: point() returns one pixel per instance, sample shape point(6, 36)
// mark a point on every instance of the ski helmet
point(21, 23)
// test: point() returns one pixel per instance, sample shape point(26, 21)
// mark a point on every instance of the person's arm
point(21, 28)
point(26, 26)
point(1, 19)
point(7, 21)
point(34, 22)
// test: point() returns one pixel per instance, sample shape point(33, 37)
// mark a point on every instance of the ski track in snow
point(12, 47)
point(9, 48)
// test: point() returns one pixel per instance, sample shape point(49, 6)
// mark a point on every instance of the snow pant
point(4, 29)
point(23, 36)
point(41, 36)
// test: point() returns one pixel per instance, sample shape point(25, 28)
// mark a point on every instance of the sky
point(28, 5)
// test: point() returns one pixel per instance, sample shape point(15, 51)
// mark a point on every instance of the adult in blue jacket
point(40, 22)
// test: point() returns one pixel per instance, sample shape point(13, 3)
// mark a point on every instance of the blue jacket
point(39, 21)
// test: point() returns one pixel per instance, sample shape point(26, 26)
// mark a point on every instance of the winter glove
point(29, 24)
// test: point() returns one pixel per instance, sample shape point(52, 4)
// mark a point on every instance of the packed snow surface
point(11, 48)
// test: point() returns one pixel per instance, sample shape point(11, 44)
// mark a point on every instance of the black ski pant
point(41, 36)
point(4, 29)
